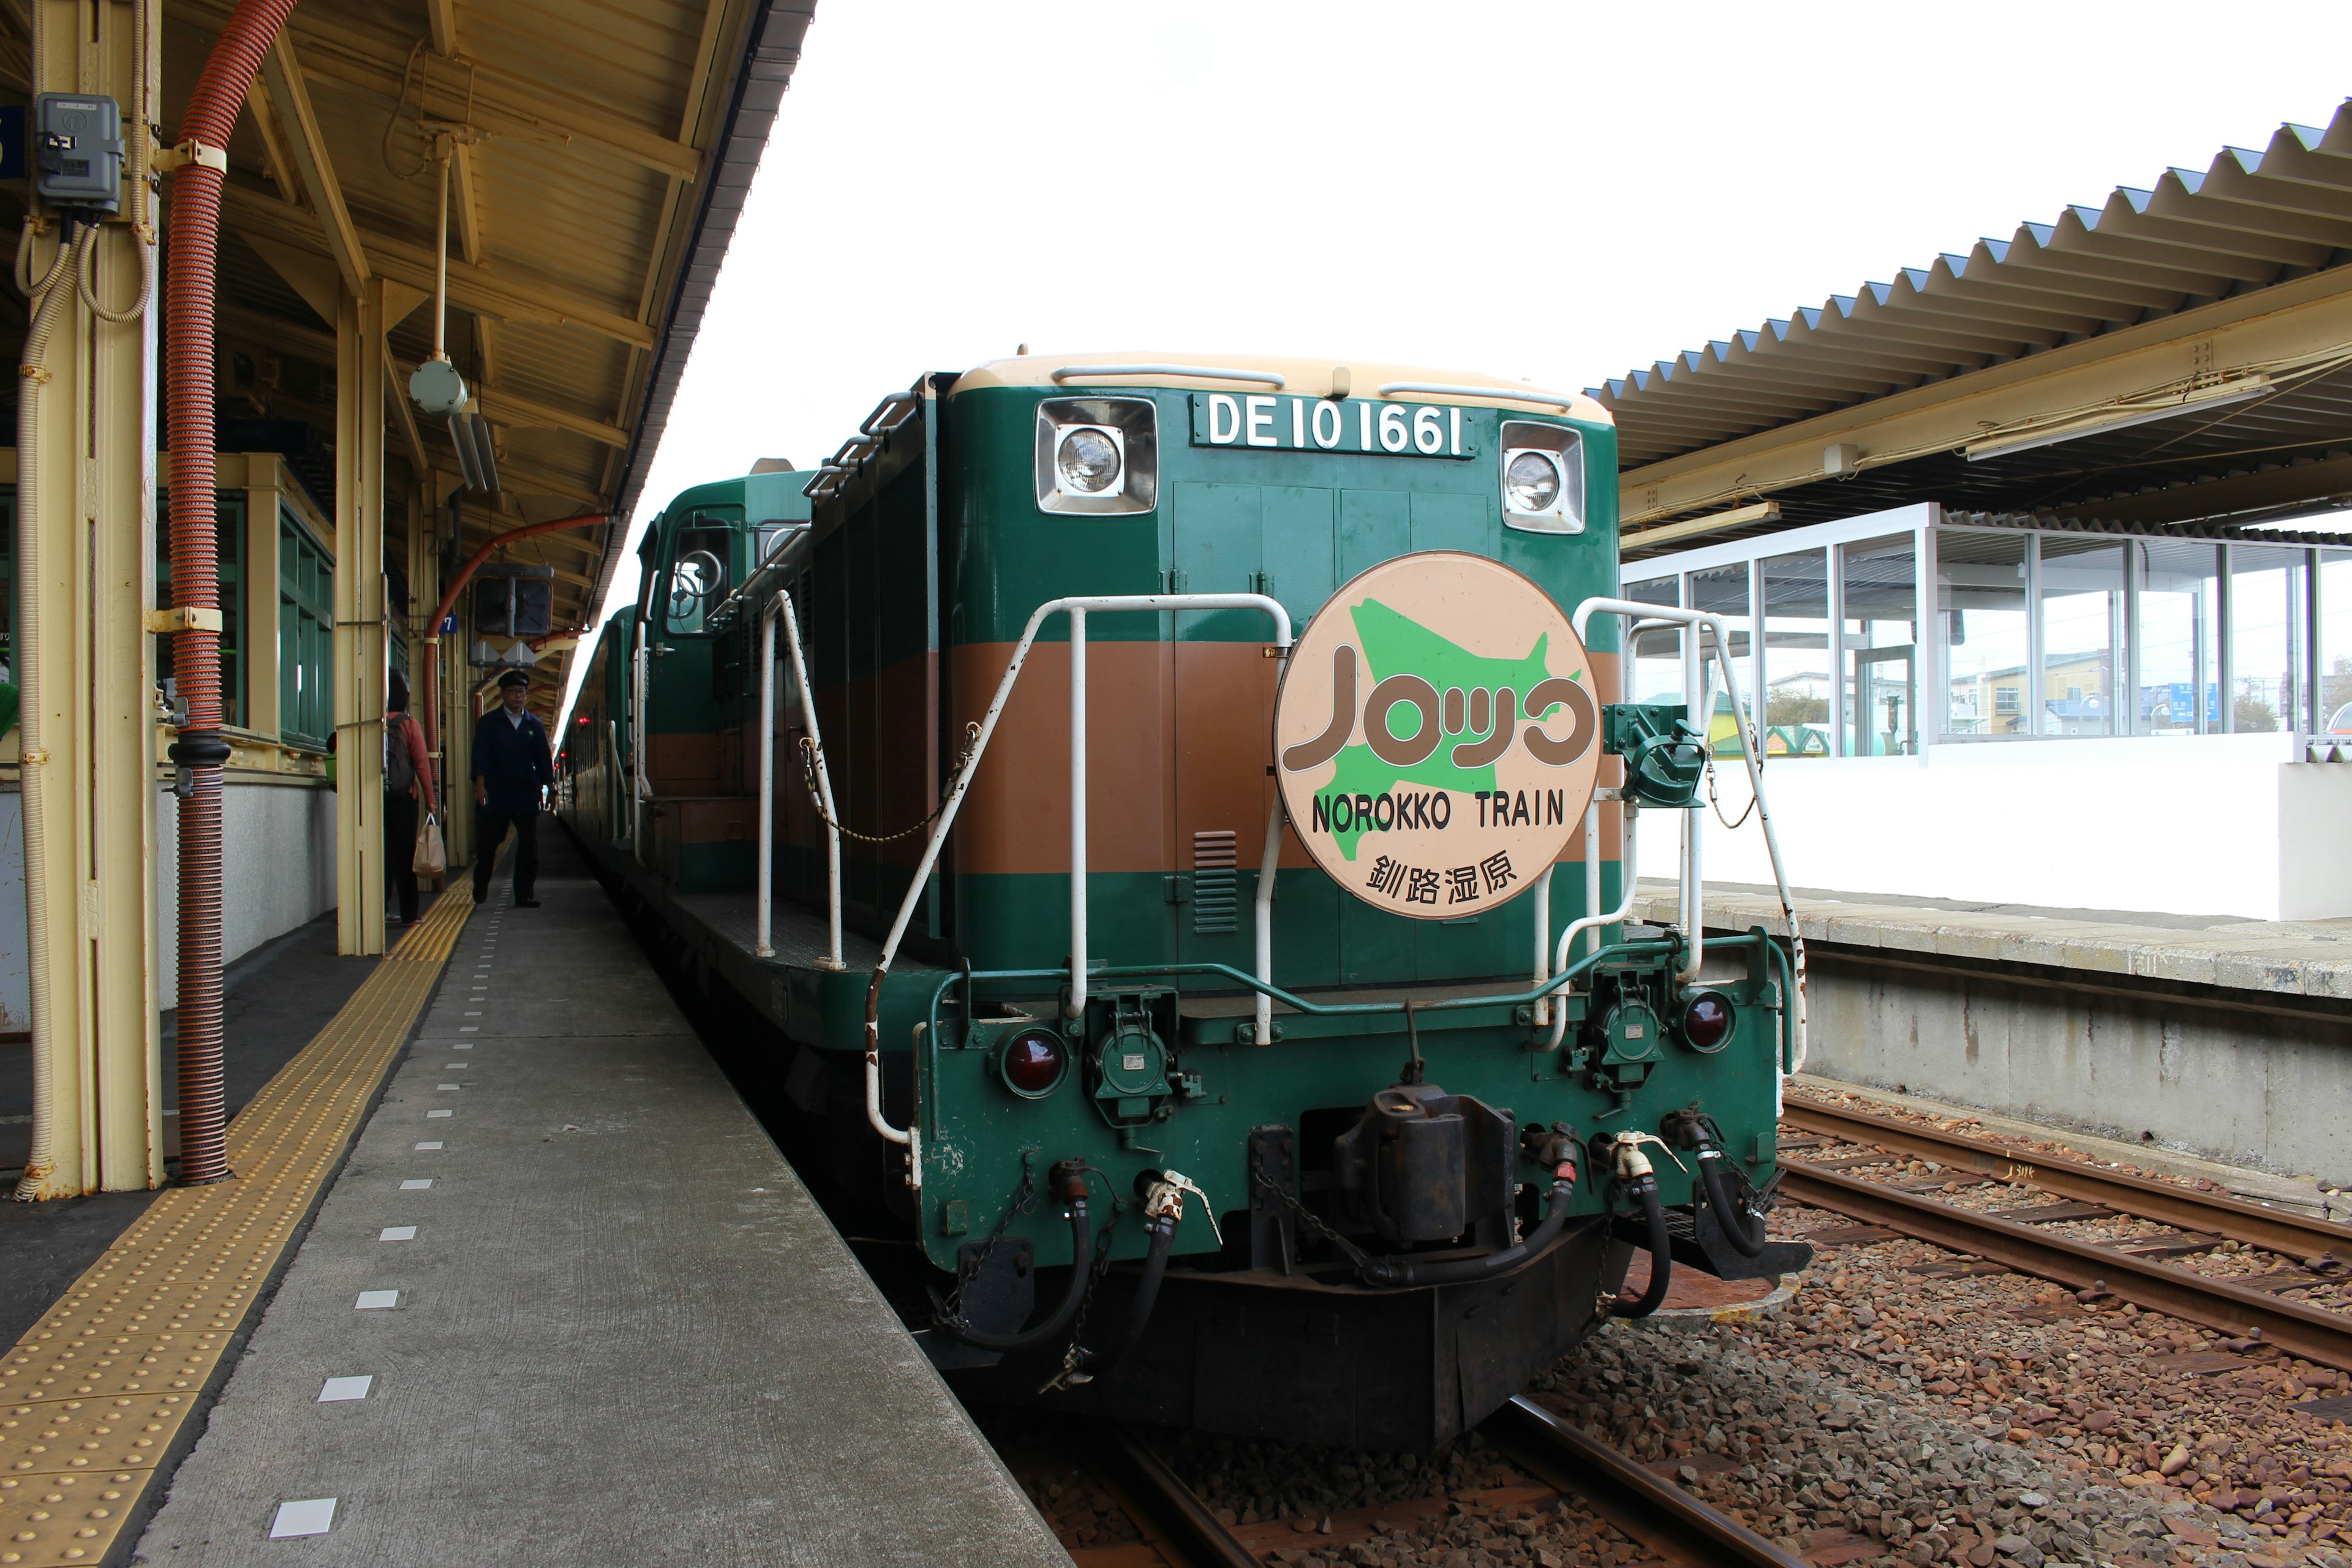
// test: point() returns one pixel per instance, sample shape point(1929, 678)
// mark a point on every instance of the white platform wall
point(2191, 825)
point(279, 859)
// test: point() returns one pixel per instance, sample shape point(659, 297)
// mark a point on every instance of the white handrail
point(1269, 863)
point(1076, 1005)
point(1104, 603)
point(637, 749)
point(1772, 851)
point(1628, 888)
point(612, 779)
point(1491, 393)
point(1199, 372)
point(780, 607)
point(1697, 688)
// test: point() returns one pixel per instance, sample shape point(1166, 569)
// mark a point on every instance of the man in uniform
point(511, 765)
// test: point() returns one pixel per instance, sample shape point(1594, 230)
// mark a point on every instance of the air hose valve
point(1163, 1198)
point(1624, 1151)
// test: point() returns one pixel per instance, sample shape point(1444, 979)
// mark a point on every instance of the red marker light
point(1707, 1021)
point(1033, 1062)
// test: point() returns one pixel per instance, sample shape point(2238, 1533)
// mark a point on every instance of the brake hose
point(1160, 1233)
point(1405, 1271)
point(1728, 1216)
point(1643, 1185)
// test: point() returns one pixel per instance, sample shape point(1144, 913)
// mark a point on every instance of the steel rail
point(1191, 1526)
point(2280, 1230)
point(1635, 1498)
point(2312, 1333)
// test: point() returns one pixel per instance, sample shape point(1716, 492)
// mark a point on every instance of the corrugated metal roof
point(774, 50)
point(607, 149)
point(2252, 220)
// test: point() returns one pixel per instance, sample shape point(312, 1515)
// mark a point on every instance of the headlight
point(1543, 477)
point(1707, 1021)
point(1089, 461)
point(1033, 1063)
point(1099, 456)
point(1533, 481)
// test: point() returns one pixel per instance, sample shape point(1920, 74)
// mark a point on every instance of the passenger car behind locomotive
point(1335, 1153)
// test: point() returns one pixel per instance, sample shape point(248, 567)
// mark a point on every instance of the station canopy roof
point(601, 158)
point(2179, 352)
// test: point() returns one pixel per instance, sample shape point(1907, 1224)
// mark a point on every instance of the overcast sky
point(1554, 192)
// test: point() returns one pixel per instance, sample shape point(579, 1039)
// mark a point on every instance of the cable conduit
point(190, 287)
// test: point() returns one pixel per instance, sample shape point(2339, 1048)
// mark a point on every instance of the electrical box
point(78, 152)
point(1842, 461)
point(514, 606)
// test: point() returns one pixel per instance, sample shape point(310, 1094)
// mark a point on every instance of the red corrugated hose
point(188, 383)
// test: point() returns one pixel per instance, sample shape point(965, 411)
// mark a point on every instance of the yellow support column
point(86, 510)
point(359, 620)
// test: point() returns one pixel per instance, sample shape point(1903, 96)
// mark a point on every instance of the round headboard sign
point(1437, 736)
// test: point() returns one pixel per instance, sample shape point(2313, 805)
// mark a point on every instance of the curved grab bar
point(1202, 372)
point(1493, 393)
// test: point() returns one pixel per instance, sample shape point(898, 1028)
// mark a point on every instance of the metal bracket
point(184, 619)
point(166, 159)
point(1274, 1239)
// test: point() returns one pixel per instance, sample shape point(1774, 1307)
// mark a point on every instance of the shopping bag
point(431, 859)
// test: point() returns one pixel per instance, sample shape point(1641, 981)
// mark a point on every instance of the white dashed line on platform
point(310, 1516)
point(431, 1147)
point(397, 1233)
point(374, 1300)
point(417, 1184)
point(339, 1388)
point(431, 1114)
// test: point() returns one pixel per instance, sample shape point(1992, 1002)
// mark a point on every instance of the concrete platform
point(2273, 962)
point(617, 1328)
point(2221, 1039)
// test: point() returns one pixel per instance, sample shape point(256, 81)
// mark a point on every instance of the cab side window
point(699, 576)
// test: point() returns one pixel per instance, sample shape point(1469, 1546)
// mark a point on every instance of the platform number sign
point(1438, 735)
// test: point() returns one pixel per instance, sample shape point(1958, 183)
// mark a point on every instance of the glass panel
point(1797, 654)
point(1658, 663)
point(1723, 590)
point(1881, 647)
point(1981, 615)
point(2266, 605)
point(2081, 624)
point(228, 576)
point(2179, 631)
point(2336, 642)
point(698, 574)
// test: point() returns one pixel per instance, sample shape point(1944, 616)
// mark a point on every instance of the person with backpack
point(407, 783)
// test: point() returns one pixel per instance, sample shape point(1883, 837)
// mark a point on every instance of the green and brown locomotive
point(1166, 821)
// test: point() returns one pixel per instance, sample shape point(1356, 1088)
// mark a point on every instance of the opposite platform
point(567, 1303)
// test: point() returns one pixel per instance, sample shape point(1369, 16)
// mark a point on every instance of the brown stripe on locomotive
point(1188, 758)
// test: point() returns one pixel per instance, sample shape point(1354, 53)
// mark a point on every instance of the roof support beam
point(2217, 340)
point(2289, 485)
point(499, 101)
point(512, 408)
point(465, 196)
point(289, 100)
point(471, 288)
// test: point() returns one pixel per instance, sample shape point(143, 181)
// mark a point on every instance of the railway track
point(1561, 1466)
point(2138, 1269)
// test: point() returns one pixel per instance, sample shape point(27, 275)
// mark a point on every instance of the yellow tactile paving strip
point(96, 1393)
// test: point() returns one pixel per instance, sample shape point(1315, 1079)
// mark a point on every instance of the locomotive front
point(1284, 1060)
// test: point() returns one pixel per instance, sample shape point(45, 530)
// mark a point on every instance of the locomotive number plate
point(1321, 425)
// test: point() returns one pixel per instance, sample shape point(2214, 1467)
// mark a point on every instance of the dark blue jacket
point(511, 762)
